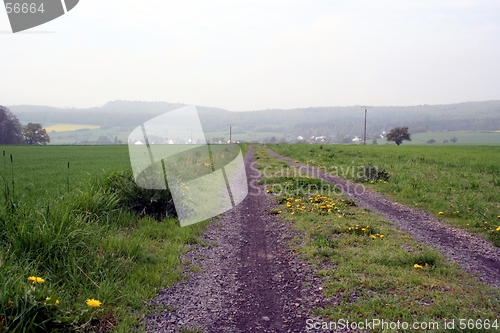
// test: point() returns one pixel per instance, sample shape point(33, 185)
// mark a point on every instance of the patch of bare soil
point(250, 280)
point(476, 255)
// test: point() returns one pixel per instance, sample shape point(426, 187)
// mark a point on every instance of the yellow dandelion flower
point(441, 213)
point(372, 237)
point(35, 279)
point(498, 229)
point(417, 266)
point(93, 303)
point(57, 302)
point(293, 213)
point(267, 191)
point(381, 236)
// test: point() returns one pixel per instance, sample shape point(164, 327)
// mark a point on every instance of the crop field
point(72, 250)
point(459, 184)
point(69, 127)
point(369, 268)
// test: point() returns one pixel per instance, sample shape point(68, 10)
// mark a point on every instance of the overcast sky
point(248, 55)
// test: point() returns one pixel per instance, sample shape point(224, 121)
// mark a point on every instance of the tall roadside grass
point(83, 260)
point(459, 184)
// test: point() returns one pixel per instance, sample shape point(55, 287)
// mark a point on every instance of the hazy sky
point(246, 55)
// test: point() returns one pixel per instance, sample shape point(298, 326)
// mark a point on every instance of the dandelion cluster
point(318, 203)
point(35, 279)
point(360, 230)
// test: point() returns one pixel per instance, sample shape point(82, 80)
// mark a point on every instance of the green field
point(80, 136)
point(368, 268)
point(464, 138)
point(459, 184)
point(75, 229)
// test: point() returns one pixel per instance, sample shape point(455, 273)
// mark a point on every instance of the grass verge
point(80, 260)
point(372, 270)
point(458, 184)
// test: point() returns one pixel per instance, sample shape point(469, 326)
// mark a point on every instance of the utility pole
point(364, 136)
point(230, 134)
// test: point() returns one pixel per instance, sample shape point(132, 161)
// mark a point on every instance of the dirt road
point(249, 280)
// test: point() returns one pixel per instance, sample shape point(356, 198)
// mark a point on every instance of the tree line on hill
point(12, 132)
point(314, 121)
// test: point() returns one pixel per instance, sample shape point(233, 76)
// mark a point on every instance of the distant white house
point(138, 142)
point(356, 139)
point(300, 138)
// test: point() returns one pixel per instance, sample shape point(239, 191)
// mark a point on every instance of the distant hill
point(330, 121)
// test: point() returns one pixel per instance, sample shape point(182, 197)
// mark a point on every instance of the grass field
point(370, 269)
point(464, 138)
point(72, 136)
point(73, 229)
point(459, 184)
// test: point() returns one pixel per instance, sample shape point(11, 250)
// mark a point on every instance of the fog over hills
point(337, 120)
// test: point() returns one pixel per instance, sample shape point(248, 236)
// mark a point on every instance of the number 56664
point(23, 8)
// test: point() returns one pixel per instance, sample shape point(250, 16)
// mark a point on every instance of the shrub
point(155, 203)
point(372, 172)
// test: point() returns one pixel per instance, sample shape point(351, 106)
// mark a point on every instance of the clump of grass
point(371, 172)
point(155, 203)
